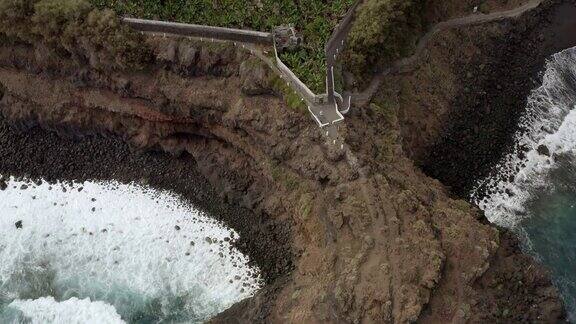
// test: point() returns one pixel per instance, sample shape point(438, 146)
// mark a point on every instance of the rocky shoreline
point(354, 235)
point(36, 154)
point(495, 89)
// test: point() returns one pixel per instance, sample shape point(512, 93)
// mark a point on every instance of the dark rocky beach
point(391, 245)
point(495, 89)
point(33, 153)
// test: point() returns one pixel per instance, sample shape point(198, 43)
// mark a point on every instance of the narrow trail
point(406, 64)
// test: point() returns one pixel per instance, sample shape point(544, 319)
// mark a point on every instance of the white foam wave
point(142, 251)
point(547, 130)
point(71, 311)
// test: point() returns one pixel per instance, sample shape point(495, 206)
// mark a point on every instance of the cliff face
point(373, 239)
point(460, 104)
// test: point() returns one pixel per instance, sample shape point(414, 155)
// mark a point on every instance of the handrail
point(314, 101)
point(300, 86)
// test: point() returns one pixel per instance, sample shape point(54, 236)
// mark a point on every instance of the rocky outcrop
point(373, 238)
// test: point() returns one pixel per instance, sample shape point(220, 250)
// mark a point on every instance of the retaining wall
point(342, 27)
point(296, 83)
point(228, 34)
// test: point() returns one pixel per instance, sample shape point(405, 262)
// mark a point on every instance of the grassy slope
point(315, 19)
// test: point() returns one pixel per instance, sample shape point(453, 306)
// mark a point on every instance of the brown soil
point(374, 239)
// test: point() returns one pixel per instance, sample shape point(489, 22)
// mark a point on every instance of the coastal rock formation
point(373, 239)
point(461, 104)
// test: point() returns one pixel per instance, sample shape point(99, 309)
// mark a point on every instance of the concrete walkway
point(334, 48)
point(324, 114)
point(327, 110)
point(207, 32)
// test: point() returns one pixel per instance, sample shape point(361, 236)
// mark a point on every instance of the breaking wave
point(547, 132)
point(71, 311)
point(533, 189)
point(108, 249)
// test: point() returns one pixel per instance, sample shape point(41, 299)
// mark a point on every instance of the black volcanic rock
point(544, 150)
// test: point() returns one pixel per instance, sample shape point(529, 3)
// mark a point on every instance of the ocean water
point(533, 189)
point(100, 252)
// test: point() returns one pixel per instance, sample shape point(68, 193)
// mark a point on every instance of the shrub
point(15, 16)
point(292, 99)
point(384, 30)
point(387, 141)
point(52, 17)
point(284, 176)
point(74, 29)
point(110, 41)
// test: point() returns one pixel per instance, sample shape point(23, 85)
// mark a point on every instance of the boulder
point(543, 150)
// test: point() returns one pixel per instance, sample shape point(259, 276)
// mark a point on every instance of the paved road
point(327, 115)
point(221, 33)
point(407, 63)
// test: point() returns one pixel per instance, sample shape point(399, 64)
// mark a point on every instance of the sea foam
point(546, 131)
point(71, 311)
point(146, 253)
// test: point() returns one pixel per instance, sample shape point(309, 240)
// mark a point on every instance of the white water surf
point(549, 121)
point(144, 253)
point(533, 189)
point(71, 311)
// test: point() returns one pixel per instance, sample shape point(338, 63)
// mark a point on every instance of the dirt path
point(406, 64)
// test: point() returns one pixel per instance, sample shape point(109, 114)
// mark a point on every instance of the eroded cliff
point(372, 238)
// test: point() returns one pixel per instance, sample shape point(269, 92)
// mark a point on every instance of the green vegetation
point(306, 204)
point(292, 99)
point(72, 28)
point(284, 176)
point(384, 31)
point(385, 112)
point(315, 19)
point(484, 8)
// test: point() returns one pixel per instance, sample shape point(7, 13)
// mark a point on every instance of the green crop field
point(315, 19)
